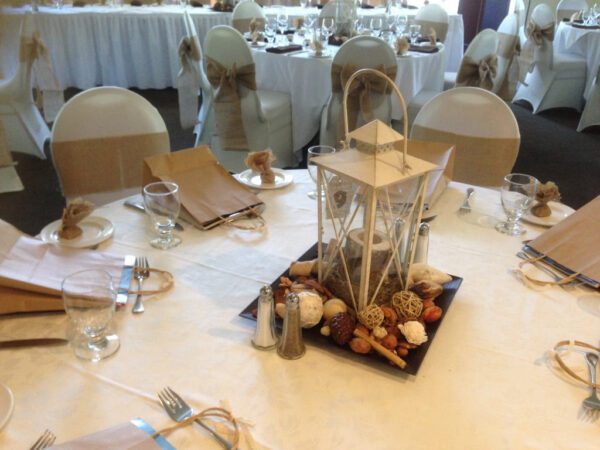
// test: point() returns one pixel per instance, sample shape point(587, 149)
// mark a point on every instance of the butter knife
point(21, 343)
point(126, 274)
point(133, 204)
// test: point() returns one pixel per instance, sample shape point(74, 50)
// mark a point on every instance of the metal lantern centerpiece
point(370, 205)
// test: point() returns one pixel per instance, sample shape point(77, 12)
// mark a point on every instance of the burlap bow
point(228, 111)
point(359, 93)
point(535, 38)
point(188, 80)
point(478, 74)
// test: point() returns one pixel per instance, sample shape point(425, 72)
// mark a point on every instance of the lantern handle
point(402, 103)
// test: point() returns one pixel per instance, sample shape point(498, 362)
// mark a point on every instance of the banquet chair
point(357, 53)
point(557, 79)
point(591, 112)
point(246, 119)
point(99, 140)
point(9, 178)
point(433, 16)
point(508, 39)
point(244, 12)
point(481, 126)
point(518, 7)
point(566, 8)
point(25, 129)
point(205, 122)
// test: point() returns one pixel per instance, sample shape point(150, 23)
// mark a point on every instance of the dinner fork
point(141, 273)
point(592, 403)
point(44, 441)
point(465, 208)
point(179, 410)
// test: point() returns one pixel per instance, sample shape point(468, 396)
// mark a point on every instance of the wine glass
point(270, 29)
point(314, 151)
point(401, 22)
point(89, 298)
point(517, 195)
point(415, 31)
point(162, 203)
point(376, 26)
point(303, 3)
point(282, 21)
point(327, 25)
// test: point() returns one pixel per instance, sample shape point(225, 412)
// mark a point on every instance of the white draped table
point(486, 381)
point(582, 42)
point(133, 46)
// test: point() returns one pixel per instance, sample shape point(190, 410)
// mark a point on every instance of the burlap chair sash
point(188, 80)
point(228, 107)
point(535, 38)
point(481, 161)
point(105, 164)
point(359, 93)
point(243, 25)
point(441, 28)
point(478, 74)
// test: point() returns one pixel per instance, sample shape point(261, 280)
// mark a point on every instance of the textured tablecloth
point(485, 382)
point(132, 46)
point(584, 43)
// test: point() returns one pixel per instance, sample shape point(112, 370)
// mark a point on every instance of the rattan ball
point(407, 304)
point(371, 317)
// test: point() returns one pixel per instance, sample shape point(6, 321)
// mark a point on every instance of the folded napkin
point(136, 434)
point(402, 45)
point(424, 48)
point(284, 49)
point(261, 162)
point(75, 212)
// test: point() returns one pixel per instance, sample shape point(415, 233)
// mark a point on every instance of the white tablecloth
point(130, 46)
point(308, 81)
point(485, 382)
point(584, 43)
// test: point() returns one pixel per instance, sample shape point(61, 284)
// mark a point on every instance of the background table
point(133, 46)
point(486, 381)
point(582, 42)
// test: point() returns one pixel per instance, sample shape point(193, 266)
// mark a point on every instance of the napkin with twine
point(261, 162)
point(75, 212)
point(402, 45)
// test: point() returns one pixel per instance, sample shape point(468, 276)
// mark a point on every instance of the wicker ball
point(342, 327)
point(407, 304)
point(371, 317)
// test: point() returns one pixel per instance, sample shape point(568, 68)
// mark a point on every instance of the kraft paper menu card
point(573, 245)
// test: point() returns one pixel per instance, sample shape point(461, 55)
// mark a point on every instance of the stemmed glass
point(317, 150)
point(517, 195)
point(303, 3)
point(271, 30)
point(89, 298)
point(401, 22)
point(376, 26)
point(415, 31)
point(327, 25)
point(162, 203)
point(282, 22)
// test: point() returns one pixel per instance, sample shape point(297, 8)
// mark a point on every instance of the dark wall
point(481, 14)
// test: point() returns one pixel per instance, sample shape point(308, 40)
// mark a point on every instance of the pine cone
point(342, 326)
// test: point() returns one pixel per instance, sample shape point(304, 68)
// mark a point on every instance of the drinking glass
point(376, 26)
point(89, 298)
point(303, 3)
point(271, 29)
point(57, 3)
point(414, 31)
point(317, 150)
point(401, 22)
point(282, 22)
point(517, 195)
point(162, 203)
point(327, 25)
point(183, 3)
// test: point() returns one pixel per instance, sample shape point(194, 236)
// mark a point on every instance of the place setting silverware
point(44, 441)
point(465, 208)
point(141, 273)
point(591, 404)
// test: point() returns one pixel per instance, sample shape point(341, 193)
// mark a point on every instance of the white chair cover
point(508, 39)
point(433, 16)
point(25, 129)
point(566, 8)
point(360, 52)
point(481, 52)
point(591, 112)
point(266, 115)
point(482, 127)
point(244, 12)
point(9, 178)
point(99, 140)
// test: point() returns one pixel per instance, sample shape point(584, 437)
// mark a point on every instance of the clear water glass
point(414, 31)
point(376, 26)
point(162, 203)
point(317, 150)
point(271, 30)
point(327, 25)
point(89, 298)
point(517, 195)
point(303, 3)
point(401, 22)
point(282, 22)
point(57, 3)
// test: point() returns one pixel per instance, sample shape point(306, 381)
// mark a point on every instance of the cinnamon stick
point(381, 349)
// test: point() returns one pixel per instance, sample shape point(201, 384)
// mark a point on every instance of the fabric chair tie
point(479, 74)
point(536, 36)
point(228, 108)
point(188, 80)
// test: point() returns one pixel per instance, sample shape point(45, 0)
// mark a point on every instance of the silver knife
point(126, 274)
point(20, 343)
point(133, 204)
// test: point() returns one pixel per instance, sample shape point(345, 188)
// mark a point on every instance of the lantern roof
point(377, 133)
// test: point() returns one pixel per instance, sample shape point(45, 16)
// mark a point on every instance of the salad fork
point(141, 273)
point(179, 410)
point(44, 441)
point(592, 403)
point(465, 208)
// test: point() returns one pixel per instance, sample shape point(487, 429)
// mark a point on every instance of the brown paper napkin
point(261, 162)
point(402, 46)
point(75, 212)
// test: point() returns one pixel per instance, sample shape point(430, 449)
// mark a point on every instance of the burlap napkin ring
point(546, 193)
point(75, 212)
point(566, 368)
point(261, 162)
point(317, 46)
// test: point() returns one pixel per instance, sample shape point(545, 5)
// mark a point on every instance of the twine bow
point(479, 74)
point(32, 48)
point(188, 80)
point(535, 38)
point(538, 34)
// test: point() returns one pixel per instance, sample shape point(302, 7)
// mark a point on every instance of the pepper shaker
point(291, 345)
point(422, 244)
point(265, 337)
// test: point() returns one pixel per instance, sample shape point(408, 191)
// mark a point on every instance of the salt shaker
point(265, 337)
point(422, 244)
point(291, 345)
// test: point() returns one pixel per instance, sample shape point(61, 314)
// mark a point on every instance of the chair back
point(481, 126)
point(591, 111)
point(433, 16)
point(542, 19)
point(357, 53)
point(99, 140)
point(508, 38)
point(566, 8)
point(244, 12)
point(478, 67)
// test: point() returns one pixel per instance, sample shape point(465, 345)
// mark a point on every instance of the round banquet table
point(308, 81)
point(134, 46)
point(582, 42)
point(486, 381)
